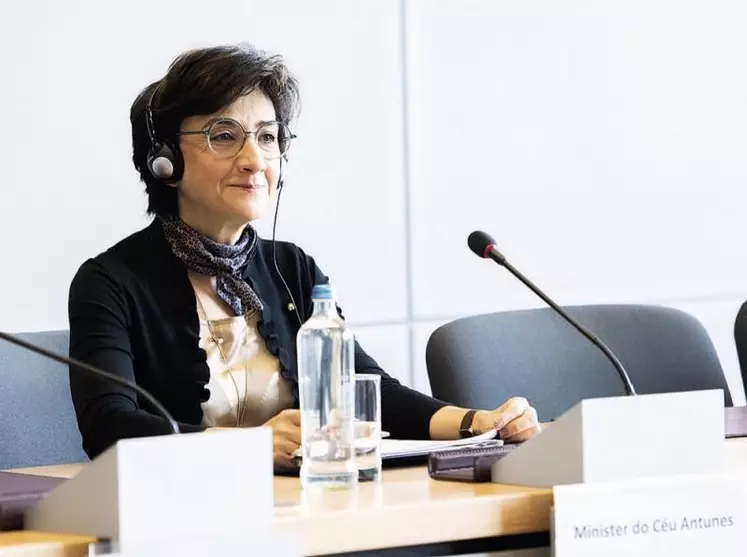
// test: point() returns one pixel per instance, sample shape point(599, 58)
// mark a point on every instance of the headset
point(292, 306)
point(165, 161)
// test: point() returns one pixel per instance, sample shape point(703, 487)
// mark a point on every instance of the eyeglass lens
point(227, 138)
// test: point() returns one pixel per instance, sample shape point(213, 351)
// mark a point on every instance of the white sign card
point(683, 515)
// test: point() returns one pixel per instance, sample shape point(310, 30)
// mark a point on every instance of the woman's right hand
point(286, 436)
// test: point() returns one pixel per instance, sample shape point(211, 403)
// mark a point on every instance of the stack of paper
point(399, 448)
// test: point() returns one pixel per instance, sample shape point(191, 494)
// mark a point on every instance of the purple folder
point(18, 492)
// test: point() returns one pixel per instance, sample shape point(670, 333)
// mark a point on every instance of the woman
point(195, 308)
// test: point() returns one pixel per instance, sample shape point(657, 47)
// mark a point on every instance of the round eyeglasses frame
point(283, 145)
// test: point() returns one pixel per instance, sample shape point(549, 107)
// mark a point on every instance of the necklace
point(240, 408)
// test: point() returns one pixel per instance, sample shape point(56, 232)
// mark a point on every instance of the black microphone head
point(480, 243)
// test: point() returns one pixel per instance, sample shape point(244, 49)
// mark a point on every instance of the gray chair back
point(740, 338)
point(37, 420)
point(480, 361)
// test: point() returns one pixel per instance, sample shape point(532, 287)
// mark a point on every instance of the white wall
point(603, 143)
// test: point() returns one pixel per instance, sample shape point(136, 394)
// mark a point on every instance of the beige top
point(245, 385)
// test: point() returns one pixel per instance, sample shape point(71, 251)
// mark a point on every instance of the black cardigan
point(133, 312)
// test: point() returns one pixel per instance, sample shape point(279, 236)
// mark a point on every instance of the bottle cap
point(322, 292)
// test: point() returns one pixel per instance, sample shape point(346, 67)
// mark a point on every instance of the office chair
point(480, 361)
point(740, 339)
point(37, 420)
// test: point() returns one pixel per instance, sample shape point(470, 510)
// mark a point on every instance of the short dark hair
point(199, 82)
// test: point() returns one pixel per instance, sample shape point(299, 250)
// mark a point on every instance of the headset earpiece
point(164, 160)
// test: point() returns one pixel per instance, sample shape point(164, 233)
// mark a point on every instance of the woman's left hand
point(516, 420)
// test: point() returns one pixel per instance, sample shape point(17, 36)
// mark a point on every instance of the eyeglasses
point(226, 138)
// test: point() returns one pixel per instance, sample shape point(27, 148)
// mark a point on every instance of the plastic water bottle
point(326, 383)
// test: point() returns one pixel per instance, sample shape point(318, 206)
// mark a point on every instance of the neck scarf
point(223, 261)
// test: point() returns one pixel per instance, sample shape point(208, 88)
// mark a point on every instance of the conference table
point(405, 509)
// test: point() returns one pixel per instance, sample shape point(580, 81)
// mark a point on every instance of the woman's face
point(224, 193)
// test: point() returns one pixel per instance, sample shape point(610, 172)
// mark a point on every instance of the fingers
point(282, 460)
point(516, 420)
point(363, 429)
point(285, 442)
point(286, 436)
point(292, 416)
point(284, 447)
point(511, 410)
point(293, 434)
point(288, 426)
point(522, 428)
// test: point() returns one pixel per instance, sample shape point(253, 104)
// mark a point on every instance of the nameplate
point(684, 515)
point(166, 487)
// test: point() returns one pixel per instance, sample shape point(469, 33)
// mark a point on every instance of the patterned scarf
point(223, 261)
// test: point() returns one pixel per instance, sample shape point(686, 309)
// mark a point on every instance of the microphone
point(91, 370)
point(483, 245)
